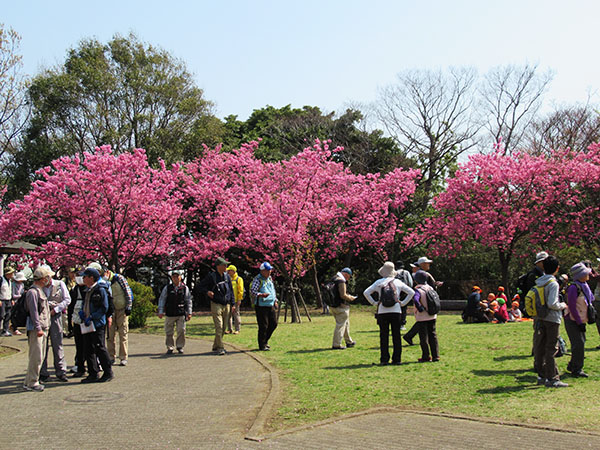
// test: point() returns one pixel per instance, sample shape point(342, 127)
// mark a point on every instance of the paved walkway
point(198, 400)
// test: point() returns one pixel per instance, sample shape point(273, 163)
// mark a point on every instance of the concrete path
point(198, 400)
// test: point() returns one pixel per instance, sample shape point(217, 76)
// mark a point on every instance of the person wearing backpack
point(547, 327)
point(579, 300)
point(389, 308)
point(18, 290)
point(341, 312)
point(425, 321)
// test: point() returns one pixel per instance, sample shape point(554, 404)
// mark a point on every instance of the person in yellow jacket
point(238, 290)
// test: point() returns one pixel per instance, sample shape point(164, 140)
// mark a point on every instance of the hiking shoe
point(265, 349)
point(236, 332)
point(6, 334)
point(179, 350)
point(36, 388)
point(17, 333)
point(436, 359)
point(123, 362)
point(170, 351)
point(338, 348)
point(384, 363)
point(408, 341)
point(106, 378)
point(540, 381)
point(396, 363)
point(350, 344)
point(222, 352)
point(424, 360)
point(580, 374)
point(555, 384)
point(90, 379)
point(62, 378)
point(44, 377)
point(78, 374)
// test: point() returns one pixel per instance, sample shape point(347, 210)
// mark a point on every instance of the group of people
point(225, 289)
point(393, 291)
point(493, 309)
point(91, 301)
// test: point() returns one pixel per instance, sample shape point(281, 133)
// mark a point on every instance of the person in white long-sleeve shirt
point(389, 316)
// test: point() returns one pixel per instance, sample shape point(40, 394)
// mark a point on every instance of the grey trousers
point(577, 339)
point(55, 337)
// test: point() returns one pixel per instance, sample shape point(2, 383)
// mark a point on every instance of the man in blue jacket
point(264, 298)
point(93, 316)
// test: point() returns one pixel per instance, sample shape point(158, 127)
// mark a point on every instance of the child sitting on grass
point(515, 314)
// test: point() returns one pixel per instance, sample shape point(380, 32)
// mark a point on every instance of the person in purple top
point(579, 298)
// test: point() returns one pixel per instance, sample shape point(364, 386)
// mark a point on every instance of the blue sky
point(247, 54)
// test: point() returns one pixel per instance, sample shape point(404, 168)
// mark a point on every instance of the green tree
point(125, 93)
point(285, 131)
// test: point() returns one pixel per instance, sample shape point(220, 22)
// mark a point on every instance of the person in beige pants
point(38, 323)
point(176, 302)
point(122, 301)
point(341, 313)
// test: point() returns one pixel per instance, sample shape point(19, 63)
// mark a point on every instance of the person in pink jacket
point(425, 321)
point(501, 313)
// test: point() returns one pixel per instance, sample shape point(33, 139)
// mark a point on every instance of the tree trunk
point(316, 287)
point(504, 262)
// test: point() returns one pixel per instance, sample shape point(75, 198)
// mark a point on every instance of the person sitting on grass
point(501, 313)
point(515, 315)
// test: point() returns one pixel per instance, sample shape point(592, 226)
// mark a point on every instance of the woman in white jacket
point(389, 315)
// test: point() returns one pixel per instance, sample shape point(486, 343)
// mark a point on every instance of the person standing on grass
point(175, 302)
point(579, 298)
point(406, 277)
point(389, 316)
point(547, 328)
point(38, 323)
point(425, 322)
point(423, 264)
point(218, 288)
point(341, 313)
point(264, 299)
point(235, 321)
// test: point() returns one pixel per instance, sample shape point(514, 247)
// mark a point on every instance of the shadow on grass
point(313, 350)
point(512, 357)
point(366, 365)
point(493, 373)
point(509, 389)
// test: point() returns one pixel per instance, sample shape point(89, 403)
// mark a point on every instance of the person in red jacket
point(501, 313)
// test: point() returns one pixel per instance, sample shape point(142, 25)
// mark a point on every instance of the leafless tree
point(575, 127)
point(13, 106)
point(511, 97)
point(429, 114)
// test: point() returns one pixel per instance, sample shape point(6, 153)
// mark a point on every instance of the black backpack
point(19, 312)
point(388, 297)
point(331, 298)
point(432, 298)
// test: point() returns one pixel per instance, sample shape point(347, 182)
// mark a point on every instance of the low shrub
point(143, 304)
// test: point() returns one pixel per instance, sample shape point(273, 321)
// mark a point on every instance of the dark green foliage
point(143, 304)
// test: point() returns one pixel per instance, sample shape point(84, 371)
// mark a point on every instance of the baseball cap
point(266, 266)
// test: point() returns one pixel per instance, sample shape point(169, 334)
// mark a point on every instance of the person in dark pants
point(579, 298)
point(77, 297)
point(389, 316)
point(406, 277)
point(547, 327)
point(426, 322)
point(94, 310)
point(264, 298)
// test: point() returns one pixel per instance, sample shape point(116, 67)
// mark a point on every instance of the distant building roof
point(13, 248)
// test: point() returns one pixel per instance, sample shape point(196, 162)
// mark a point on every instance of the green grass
point(6, 351)
point(485, 371)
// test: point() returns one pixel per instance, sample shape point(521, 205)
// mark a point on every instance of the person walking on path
point(217, 286)
point(175, 302)
point(122, 302)
point(389, 316)
point(77, 297)
point(6, 301)
point(264, 299)
point(547, 328)
point(425, 322)
point(93, 316)
point(235, 320)
point(341, 313)
point(58, 300)
point(38, 322)
point(407, 278)
point(579, 300)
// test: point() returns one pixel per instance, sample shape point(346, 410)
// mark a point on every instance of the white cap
point(540, 257)
point(423, 259)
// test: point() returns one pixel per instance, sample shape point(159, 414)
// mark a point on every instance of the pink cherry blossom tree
point(497, 201)
point(102, 206)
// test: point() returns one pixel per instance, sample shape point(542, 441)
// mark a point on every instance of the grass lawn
point(485, 371)
point(6, 351)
